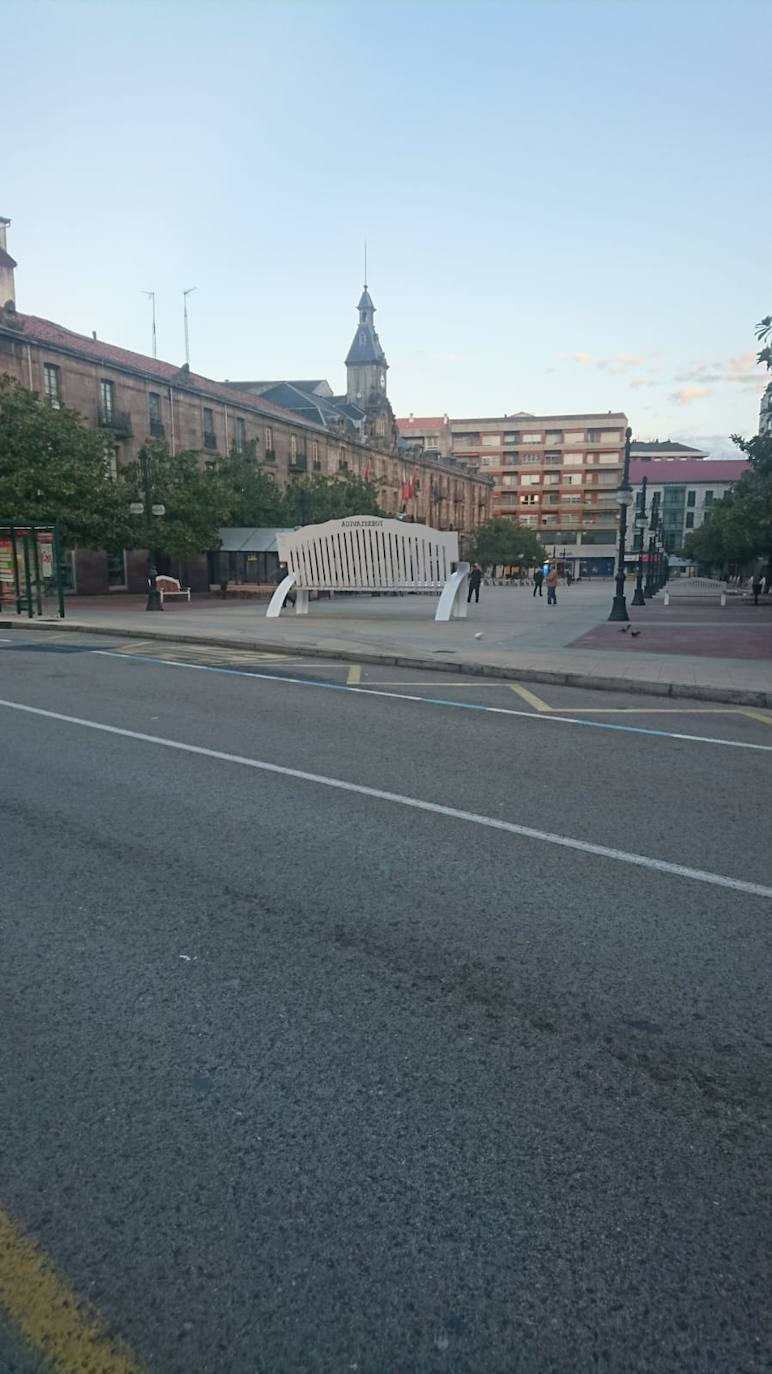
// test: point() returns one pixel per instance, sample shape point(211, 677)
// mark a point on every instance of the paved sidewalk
point(510, 634)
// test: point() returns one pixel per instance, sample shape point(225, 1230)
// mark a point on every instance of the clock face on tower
point(382, 380)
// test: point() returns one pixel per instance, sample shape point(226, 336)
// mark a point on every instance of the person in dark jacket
point(538, 578)
point(475, 578)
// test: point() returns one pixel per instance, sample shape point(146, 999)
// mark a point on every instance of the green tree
point(54, 469)
point(251, 494)
point(196, 501)
point(503, 541)
point(310, 500)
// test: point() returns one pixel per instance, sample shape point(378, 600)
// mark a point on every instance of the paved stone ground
point(738, 630)
point(510, 632)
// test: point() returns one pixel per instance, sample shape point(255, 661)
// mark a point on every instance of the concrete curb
point(734, 696)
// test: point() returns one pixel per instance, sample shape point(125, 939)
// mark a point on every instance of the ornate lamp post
point(150, 509)
point(651, 587)
point(640, 524)
point(624, 498)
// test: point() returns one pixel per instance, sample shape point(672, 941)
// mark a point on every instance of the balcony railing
point(270, 455)
point(119, 421)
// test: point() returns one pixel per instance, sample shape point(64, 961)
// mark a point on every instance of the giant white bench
point(702, 587)
point(367, 553)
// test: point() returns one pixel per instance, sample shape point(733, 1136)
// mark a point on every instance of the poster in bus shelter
point(45, 548)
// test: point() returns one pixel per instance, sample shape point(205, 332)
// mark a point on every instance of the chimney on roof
point(7, 266)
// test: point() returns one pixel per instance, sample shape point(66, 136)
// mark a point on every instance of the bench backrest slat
point(367, 553)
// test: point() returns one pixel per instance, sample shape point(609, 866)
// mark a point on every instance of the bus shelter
point(30, 568)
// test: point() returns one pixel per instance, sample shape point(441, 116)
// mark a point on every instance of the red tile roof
point(46, 332)
point(422, 422)
point(692, 470)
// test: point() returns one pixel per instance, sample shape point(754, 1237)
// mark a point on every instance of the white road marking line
point(439, 701)
point(378, 794)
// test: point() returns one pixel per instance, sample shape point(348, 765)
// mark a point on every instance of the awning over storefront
point(257, 540)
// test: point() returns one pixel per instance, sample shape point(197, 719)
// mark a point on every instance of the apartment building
point(555, 473)
point(685, 489)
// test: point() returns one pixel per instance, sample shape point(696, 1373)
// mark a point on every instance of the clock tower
point(366, 365)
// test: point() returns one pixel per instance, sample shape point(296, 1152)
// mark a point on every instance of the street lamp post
point(650, 588)
point(151, 509)
point(624, 498)
point(640, 524)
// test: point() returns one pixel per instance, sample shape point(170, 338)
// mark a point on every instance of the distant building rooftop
point(689, 470)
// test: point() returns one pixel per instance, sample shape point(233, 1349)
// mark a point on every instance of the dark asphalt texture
point(422, 1096)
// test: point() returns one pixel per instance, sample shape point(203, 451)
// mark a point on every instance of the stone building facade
point(132, 398)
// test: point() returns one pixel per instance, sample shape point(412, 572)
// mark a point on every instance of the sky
point(567, 203)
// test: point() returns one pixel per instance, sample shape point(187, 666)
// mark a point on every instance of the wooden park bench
point(698, 587)
point(366, 553)
point(171, 587)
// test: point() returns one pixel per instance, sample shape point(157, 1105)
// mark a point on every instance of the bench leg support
point(452, 601)
point(280, 596)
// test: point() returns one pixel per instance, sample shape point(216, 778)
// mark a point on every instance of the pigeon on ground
point(636, 634)
point(624, 629)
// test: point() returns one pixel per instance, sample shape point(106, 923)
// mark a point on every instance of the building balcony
point(119, 421)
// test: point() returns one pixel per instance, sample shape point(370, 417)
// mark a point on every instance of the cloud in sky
point(687, 394)
point(742, 369)
point(615, 363)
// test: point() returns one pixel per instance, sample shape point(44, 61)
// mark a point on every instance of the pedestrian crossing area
point(205, 654)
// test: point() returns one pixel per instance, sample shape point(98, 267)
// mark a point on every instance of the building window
point(552, 458)
point(491, 441)
point(570, 500)
point(691, 498)
point(491, 460)
point(554, 436)
point(530, 479)
point(573, 459)
point(293, 448)
point(595, 436)
point(116, 568)
point(315, 454)
point(240, 439)
point(154, 414)
point(53, 389)
point(690, 519)
point(106, 402)
point(269, 449)
point(210, 440)
point(530, 458)
point(551, 479)
point(510, 480)
point(342, 460)
point(535, 438)
point(529, 499)
point(708, 498)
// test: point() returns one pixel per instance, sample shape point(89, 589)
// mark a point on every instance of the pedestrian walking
point(552, 587)
point(475, 578)
point(756, 587)
point(538, 578)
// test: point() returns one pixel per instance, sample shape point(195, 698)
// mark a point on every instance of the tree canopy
point(310, 500)
point(739, 527)
point(503, 541)
point(54, 469)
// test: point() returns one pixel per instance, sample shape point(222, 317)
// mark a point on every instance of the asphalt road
point(299, 1078)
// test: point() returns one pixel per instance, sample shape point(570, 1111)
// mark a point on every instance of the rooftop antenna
point(185, 295)
point(151, 297)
